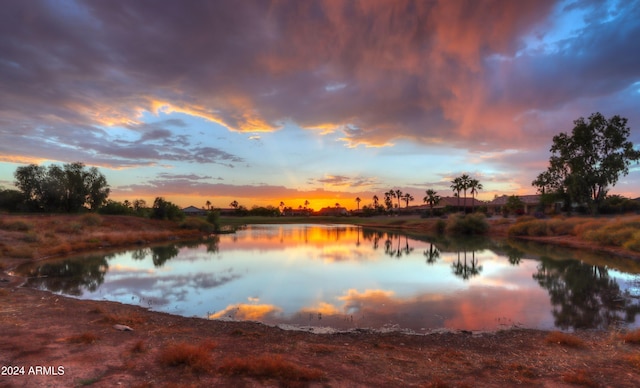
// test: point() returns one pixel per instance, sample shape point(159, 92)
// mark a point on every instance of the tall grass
point(617, 232)
point(194, 357)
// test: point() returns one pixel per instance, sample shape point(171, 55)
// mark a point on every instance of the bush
point(198, 224)
point(197, 358)
point(468, 224)
point(633, 243)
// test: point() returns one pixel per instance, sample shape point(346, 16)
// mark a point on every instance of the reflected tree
point(162, 254)
point(584, 296)
point(432, 255)
point(466, 269)
point(70, 276)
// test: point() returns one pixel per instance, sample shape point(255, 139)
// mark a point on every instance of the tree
point(388, 196)
point(398, 194)
point(465, 180)
point(432, 198)
point(165, 210)
point(69, 187)
point(376, 200)
point(306, 203)
point(358, 200)
point(208, 204)
point(456, 186)
point(475, 186)
point(407, 198)
point(587, 162)
point(234, 204)
point(514, 203)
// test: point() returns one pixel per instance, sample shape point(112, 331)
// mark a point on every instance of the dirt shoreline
point(40, 329)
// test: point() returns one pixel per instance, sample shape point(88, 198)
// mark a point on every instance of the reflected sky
point(348, 277)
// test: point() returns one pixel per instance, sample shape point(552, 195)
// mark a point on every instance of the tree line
point(72, 188)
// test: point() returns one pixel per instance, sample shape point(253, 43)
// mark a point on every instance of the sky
point(264, 102)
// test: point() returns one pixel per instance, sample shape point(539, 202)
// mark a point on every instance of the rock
point(122, 328)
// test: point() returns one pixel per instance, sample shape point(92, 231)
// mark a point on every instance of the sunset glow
point(263, 102)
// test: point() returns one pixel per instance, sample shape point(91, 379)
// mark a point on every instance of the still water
point(345, 277)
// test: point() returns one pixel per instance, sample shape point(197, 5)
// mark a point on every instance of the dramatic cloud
point(110, 82)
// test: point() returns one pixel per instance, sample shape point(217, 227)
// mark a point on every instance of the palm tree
point(465, 180)
point(388, 199)
point(306, 203)
point(407, 198)
point(234, 204)
point(475, 186)
point(456, 186)
point(398, 194)
point(375, 201)
point(432, 198)
point(358, 202)
point(208, 203)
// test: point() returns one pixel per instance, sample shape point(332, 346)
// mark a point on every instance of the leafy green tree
point(165, 210)
point(69, 187)
point(432, 198)
point(514, 203)
point(10, 200)
point(587, 162)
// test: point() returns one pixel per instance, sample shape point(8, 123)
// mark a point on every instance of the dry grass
point(632, 337)
point(193, 357)
point(84, 338)
point(269, 367)
point(579, 377)
point(560, 338)
point(124, 319)
point(138, 347)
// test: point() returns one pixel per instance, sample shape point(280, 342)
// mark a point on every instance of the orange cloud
point(247, 312)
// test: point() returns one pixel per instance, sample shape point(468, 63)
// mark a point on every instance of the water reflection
point(347, 277)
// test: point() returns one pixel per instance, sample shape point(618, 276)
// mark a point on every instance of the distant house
point(531, 203)
point(333, 211)
point(194, 211)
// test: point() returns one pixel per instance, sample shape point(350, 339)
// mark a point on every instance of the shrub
point(560, 338)
point(196, 358)
point(611, 235)
point(468, 224)
point(633, 243)
point(583, 227)
point(84, 338)
point(91, 219)
point(30, 237)
point(198, 224)
point(632, 337)
point(560, 227)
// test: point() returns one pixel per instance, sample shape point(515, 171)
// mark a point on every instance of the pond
point(337, 277)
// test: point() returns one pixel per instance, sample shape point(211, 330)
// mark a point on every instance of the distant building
point(333, 211)
point(531, 203)
point(194, 211)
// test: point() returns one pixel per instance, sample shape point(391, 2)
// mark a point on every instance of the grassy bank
point(619, 232)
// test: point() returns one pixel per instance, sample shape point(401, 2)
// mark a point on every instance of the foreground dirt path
point(78, 345)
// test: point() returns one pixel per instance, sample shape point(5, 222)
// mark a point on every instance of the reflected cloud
point(247, 312)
